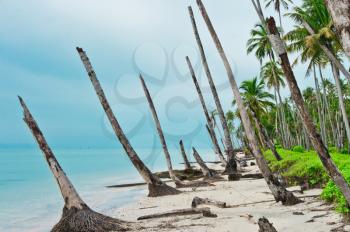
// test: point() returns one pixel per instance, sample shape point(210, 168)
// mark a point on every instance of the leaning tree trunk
point(156, 187)
point(279, 192)
point(159, 130)
point(210, 126)
point(331, 168)
point(340, 12)
point(341, 103)
point(184, 156)
point(76, 216)
point(177, 181)
point(261, 130)
point(231, 169)
point(207, 173)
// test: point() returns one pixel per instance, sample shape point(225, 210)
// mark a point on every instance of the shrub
point(298, 149)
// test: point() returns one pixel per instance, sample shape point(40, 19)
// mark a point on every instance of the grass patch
point(306, 168)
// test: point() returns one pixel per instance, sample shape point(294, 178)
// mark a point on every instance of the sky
point(122, 38)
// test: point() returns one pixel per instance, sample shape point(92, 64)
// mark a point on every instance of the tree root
point(157, 190)
point(205, 201)
point(180, 212)
point(87, 220)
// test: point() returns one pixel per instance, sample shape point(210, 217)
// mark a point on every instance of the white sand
point(238, 219)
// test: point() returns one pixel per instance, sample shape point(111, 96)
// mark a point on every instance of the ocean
point(29, 196)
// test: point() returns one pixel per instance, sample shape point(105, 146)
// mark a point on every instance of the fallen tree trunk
point(265, 225)
point(155, 186)
point(184, 156)
point(180, 212)
point(76, 216)
point(279, 192)
point(206, 201)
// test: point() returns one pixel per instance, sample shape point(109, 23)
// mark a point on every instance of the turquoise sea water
point(30, 199)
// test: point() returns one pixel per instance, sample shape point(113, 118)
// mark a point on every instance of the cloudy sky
point(123, 38)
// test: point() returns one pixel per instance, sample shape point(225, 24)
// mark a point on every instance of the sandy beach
point(310, 216)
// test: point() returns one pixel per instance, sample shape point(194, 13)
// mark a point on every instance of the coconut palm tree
point(260, 43)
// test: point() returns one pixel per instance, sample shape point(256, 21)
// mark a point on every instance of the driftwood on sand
point(77, 215)
point(156, 187)
point(180, 212)
point(206, 201)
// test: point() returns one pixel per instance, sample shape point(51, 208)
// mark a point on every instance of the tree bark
point(210, 127)
point(265, 225)
point(156, 187)
point(77, 216)
point(315, 138)
point(340, 12)
point(208, 174)
point(180, 212)
point(184, 156)
point(279, 192)
point(227, 136)
point(206, 201)
point(159, 130)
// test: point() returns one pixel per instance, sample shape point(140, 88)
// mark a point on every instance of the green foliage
point(298, 149)
point(300, 168)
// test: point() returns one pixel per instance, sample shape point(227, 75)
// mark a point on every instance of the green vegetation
point(306, 169)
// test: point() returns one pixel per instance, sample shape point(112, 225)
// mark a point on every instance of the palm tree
point(315, 48)
point(260, 43)
point(257, 100)
point(277, 6)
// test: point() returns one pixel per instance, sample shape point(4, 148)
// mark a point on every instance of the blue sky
point(38, 61)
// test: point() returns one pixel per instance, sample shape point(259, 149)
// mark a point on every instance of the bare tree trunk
point(340, 12)
point(232, 170)
point(265, 225)
point(184, 156)
point(315, 138)
point(341, 103)
point(319, 111)
point(156, 187)
point(159, 130)
point(279, 192)
point(76, 216)
point(208, 174)
point(262, 131)
point(210, 127)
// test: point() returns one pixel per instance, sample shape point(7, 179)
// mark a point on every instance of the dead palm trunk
point(340, 12)
point(184, 156)
point(231, 169)
point(208, 174)
point(315, 138)
point(279, 192)
point(172, 175)
point(156, 187)
point(341, 103)
point(210, 127)
point(159, 130)
point(262, 131)
point(76, 216)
